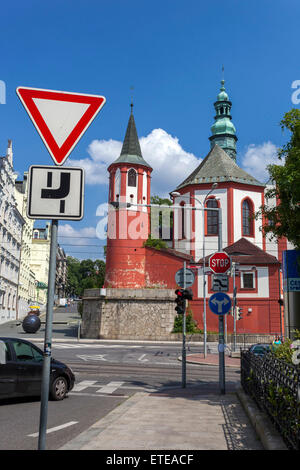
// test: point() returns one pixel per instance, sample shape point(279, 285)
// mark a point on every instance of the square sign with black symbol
point(55, 193)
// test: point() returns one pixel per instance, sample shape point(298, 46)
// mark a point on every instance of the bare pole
point(184, 332)
point(48, 338)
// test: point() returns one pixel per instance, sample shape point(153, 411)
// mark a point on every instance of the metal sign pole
point(221, 355)
point(184, 333)
point(48, 338)
point(221, 321)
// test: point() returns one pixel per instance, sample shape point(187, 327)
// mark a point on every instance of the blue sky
point(171, 52)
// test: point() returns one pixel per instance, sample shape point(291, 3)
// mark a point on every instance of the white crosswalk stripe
point(92, 345)
point(110, 388)
point(83, 385)
point(105, 389)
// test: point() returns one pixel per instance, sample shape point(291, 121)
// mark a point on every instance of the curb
point(268, 435)
point(207, 363)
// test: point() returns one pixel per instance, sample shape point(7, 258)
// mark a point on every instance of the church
point(217, 183)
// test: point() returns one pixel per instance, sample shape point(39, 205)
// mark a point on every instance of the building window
point(212, 218)
point(248, 281)
point(247, 218)
point(181, 221)
point(132, 178)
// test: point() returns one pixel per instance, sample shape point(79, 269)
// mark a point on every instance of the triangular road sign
point(60, 117)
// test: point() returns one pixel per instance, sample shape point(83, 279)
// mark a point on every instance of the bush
point(191, 326)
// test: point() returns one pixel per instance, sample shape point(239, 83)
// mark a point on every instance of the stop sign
point(219, 262)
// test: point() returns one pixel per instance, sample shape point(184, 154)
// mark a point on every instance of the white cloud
point(170, 162)
point(82, 243)
point(67, 234)
point(257, 157)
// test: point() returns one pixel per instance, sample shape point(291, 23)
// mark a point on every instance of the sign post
point(48, 338)
point(220, 305)
point(61, 118)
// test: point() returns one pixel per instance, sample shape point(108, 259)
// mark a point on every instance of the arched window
point(212, 218)
point(247, 218)
point(132, 177)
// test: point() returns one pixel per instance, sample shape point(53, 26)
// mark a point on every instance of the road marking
point(98, 395)
point(57, 428)
point(82, 385)
point(97, 357)
point(141, 359)
point(110, 387)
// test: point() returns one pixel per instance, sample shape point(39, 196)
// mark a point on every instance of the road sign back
point(60, 117)
point(189, 277)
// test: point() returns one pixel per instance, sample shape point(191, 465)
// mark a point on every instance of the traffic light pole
point(184, 332)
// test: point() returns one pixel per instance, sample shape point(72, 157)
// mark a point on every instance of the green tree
point(85, 274)
point(283, 220)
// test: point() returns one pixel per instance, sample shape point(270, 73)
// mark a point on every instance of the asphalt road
point(107, 373)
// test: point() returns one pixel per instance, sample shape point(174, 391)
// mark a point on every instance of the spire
point(223, 130)
point(131, 150)
point(131, 145)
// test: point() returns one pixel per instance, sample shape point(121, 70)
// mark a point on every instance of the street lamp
point(175, 193)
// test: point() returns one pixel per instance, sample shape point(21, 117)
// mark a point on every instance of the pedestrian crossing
point(92, 345)
point(94, 388)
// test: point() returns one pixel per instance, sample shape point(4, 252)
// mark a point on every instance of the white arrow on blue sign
point(220, 303)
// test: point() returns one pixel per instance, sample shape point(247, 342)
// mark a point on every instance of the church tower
point(128, 222)
point(223, 130)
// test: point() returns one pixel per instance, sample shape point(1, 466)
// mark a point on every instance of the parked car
point(21, 364)
point(260, 349)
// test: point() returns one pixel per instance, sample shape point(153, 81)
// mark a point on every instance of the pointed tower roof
point(218, 167)
point(131, 150)
point(223, 130)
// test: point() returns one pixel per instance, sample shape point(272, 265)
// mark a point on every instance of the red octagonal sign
point(219, 262)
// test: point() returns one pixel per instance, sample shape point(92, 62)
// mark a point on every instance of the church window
point(247, 218)
point(182, 221)
point(248, 281)
point(132, 177)
point(212, 218)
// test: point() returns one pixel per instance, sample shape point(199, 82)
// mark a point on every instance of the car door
point(8, 372)
point(29, 363)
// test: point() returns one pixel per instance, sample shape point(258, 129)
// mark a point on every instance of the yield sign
point(60, 117)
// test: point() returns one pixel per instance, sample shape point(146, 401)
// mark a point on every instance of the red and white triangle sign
point(60, 117)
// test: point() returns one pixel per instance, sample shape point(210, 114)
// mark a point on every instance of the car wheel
point(59, 389)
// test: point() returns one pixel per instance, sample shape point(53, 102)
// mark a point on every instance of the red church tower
point(128, 221)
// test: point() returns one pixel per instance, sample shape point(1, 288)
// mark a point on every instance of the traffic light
point(180, 301)
point(239, 315)
point(188, 294)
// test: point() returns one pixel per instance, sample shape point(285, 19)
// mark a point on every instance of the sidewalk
point(191, 418)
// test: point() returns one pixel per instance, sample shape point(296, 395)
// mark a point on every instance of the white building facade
point(27, 281)
point(11, 224)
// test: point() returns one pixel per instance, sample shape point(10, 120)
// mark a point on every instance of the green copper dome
point(222, 96)
point(223, 130)
point(222, 126)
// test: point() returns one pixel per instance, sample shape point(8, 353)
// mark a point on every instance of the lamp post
point(175, 193)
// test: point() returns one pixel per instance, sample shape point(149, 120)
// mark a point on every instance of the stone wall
point(142, 314)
